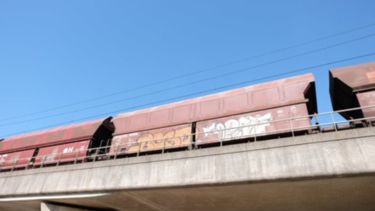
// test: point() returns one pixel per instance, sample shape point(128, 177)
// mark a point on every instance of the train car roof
point(308, 77)
point(67, 133)
point(307, 80)
point(358, 77)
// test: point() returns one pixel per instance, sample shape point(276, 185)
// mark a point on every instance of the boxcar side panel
point(253, 98)
point(16, 159)
point(253, 124)
point(151, 140)
point(366, 99)
point(62, 153)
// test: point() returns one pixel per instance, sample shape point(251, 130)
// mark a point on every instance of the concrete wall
point(349, 152)
point(54, 207)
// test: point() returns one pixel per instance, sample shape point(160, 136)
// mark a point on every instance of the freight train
point(259, 112)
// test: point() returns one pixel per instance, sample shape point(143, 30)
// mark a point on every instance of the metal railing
point(289, 127)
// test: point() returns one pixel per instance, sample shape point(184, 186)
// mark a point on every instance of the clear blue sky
point(54, 53)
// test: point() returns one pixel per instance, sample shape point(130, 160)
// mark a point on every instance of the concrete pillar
point(44, 206)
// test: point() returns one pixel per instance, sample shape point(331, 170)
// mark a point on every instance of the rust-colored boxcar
point(253, 124)
point(262, 104)
point(60, 144)
point(352, 87)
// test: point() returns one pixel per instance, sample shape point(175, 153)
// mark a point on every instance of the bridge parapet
point(340, 153)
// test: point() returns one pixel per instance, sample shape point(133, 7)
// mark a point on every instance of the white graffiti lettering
point(68, 150)
point(242, 127)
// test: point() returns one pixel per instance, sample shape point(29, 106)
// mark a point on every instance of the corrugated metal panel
point(247, 125)
point(151, 140)
point(16, 159)
point(58, 135)
point(264, 96)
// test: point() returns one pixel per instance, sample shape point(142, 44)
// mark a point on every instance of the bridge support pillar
point(44, 206)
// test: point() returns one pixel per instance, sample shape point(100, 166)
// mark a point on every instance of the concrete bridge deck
point(326, 171)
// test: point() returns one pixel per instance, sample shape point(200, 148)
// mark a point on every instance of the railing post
point(316, 119)
point(163, 145)
point(27, 164)
point(255, 133)
point(291, 126)
point(96, 152)
point(371, 121)
point(116, 149)
point(139, 148)
point(42, 163)
point(58, 156)
point(76, 156)
point(333, 121)
point(14, 163)
point(189, 145)
point(194, 140)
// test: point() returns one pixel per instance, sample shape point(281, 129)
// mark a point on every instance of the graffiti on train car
point(253, 124)
point(242, 126)
point(3, 158)
point(51, 156)
point(72, 149)
point(62, 152)
point(152, 140)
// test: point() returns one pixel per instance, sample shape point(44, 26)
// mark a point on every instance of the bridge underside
point(339, 193)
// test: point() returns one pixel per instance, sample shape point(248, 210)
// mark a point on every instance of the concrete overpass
point(325, 171)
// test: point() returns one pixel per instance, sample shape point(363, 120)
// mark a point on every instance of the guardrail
point(318, 123)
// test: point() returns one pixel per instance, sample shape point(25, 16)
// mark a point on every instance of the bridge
point(323, 171)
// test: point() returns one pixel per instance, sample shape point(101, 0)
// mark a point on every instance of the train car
point(62, 144)
point(352, 87)
point(246, 112)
